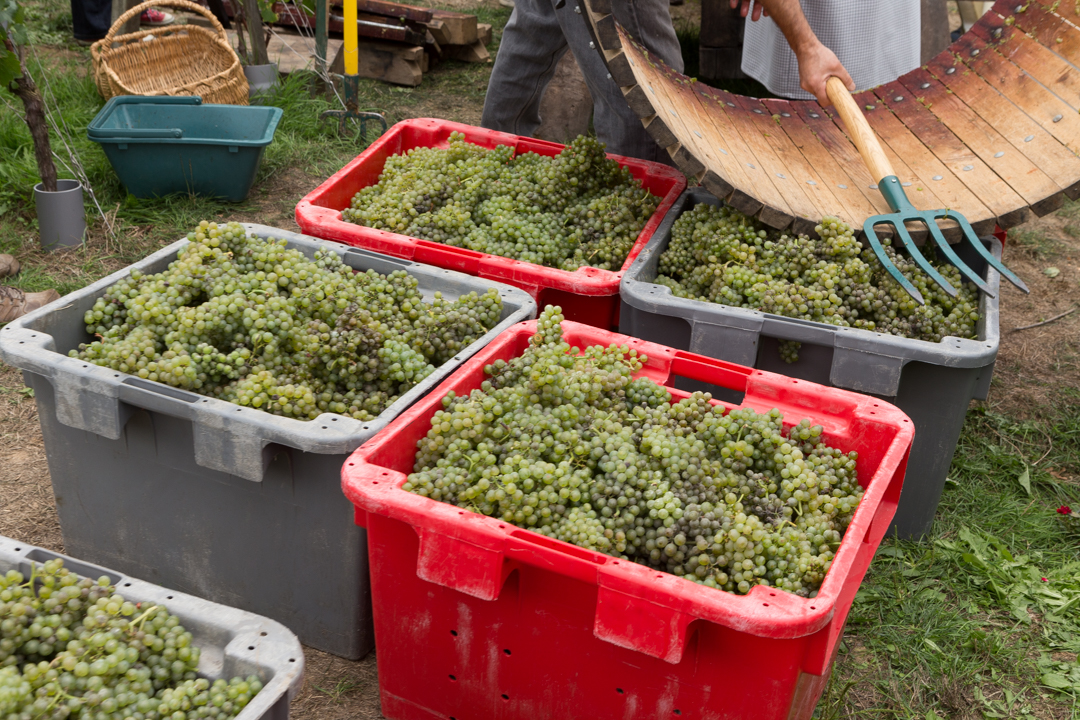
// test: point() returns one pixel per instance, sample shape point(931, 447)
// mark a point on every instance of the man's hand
point(744, 9)
point(817, 64)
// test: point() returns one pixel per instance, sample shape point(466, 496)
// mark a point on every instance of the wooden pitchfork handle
point(859, 130)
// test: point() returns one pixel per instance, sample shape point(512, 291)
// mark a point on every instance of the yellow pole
point(352, 57)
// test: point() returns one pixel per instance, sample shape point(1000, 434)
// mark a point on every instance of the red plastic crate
point(478, 619)
point(587, 295)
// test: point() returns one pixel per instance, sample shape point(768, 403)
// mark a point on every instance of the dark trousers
point(91, 18)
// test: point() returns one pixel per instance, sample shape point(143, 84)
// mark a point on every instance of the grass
point(964, 624)
point(960, 625)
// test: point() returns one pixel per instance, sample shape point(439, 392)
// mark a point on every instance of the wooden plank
point(474, 53)
point(389, 62)
point(1015, 163)
point(483, 30)
point(921, 169)
point(1036, 60)
point(1041, 105)
point(684, 119)
point(784, 163)
point(698, 127)
point(823, 173)
point(923, 200)
point(743, 143)
point(394, 10)
point(1021, 131)
point(456, 28)
point(1004, 204)
point(846, 156)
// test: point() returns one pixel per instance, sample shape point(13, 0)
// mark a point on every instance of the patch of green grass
point(984, 615)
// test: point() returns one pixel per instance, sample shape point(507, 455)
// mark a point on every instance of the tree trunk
point(255, 33)
point(25, 90)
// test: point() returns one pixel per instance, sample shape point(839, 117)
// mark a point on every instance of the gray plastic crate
point(230, 504)
point(932, 382)
point(232, 642)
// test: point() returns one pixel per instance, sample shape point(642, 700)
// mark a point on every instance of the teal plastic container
point(164, 145)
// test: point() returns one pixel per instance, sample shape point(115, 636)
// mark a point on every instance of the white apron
point(877, 41)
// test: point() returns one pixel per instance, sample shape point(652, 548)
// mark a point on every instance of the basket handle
point(177, 4)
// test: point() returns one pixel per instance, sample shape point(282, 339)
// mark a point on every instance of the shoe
point(8, 265)
point(155, 18)
point(15, 303)
point(507, 3)
point(87, 42)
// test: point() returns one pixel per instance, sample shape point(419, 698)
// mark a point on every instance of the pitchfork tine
point(944, 246)
point(989, 258)
point(921, 260)
point(875, 244)
point(890, 187)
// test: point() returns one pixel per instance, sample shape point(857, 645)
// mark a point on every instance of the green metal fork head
point(904, 212)
point(351, 84)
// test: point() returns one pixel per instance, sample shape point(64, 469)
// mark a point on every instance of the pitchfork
point(903, 211)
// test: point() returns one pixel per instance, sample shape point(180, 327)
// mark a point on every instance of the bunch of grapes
point(252, 322)
point(717, 254)
point(569, 443)
point(577, 208)
point(74, 648)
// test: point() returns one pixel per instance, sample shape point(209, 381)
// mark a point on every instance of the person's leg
point(531, 46)
point(91, 19)
point(617, 126)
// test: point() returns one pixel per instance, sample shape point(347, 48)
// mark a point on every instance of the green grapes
point(252, 322)
point(569, 443)
point(575, 209)
point(719, 255)
point(71, 647)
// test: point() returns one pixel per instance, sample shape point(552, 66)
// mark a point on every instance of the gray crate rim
point(852, 346)
point(253, 642)
point(228, 437)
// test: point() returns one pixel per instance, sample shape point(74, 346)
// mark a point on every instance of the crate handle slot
point(467, 261)
point(638, 624)
point(714, 372)
point(460, 565)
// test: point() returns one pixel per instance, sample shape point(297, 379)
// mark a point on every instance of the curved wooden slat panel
point(989, 128)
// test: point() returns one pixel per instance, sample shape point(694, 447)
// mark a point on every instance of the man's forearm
point(788, 16)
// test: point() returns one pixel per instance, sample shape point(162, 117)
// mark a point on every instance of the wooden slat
point(923, 167)
point(719, 140)
point(859, 182)
point(1025, 92)
point(744, 144)
point(1004, 204)
point(682, 124)
point(1036, 60)
point(392, 9)
point(783, 162)
point(1017, 163)
point(1066, 9)
point(823, 175)
point(1015, 125)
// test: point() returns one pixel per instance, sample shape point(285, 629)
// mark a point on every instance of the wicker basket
point(178, 60)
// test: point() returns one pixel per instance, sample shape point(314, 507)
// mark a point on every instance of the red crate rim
point(765, 611)
point(313, 216)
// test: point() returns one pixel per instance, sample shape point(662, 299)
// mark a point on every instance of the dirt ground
point(1032, 367)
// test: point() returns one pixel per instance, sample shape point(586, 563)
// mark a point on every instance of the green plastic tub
point(164, 145)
